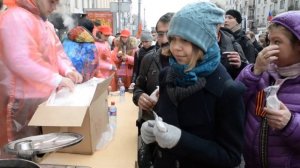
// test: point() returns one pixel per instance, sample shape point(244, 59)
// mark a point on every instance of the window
point(282, 2)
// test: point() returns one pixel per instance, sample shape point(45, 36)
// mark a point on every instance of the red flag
point(139, 32)
point(270, 17)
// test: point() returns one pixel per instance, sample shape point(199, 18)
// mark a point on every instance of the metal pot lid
point(42, 144)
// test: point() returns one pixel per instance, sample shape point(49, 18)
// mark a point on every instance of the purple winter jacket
point(283, 145)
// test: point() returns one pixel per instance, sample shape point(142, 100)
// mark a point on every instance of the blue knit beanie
point(197, 23)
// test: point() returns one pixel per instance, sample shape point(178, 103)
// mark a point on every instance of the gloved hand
point(167, 139)
point(147, 131)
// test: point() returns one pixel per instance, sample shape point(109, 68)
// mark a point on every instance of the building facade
point(256, 13)
point(120, 9)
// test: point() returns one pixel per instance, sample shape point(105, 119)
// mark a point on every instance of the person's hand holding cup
point(120, 55)
point(233, 58)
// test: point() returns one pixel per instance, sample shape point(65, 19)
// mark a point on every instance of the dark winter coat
point(211, 121)
point(246, 44)
point(227, 43)
point(138, 57)
point(257, 46)
point(148, 77)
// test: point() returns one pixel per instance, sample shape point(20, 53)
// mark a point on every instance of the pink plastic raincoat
point(125, 69)
point(32, 61)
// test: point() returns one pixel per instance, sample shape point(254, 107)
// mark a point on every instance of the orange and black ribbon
point(260, 103)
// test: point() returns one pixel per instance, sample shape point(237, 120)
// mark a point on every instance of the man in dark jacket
point(151, 65)
point(147, 47)
point(232, 55)
point(146, 83)
point(233, 20)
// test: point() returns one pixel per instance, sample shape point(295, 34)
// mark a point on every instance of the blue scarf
point(203, 68)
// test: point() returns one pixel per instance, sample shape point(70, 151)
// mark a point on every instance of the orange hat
point(125, 33)
point(106, 30)
point(9, 3)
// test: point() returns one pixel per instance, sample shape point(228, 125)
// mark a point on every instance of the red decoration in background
point(139, 32)
point(270, 17)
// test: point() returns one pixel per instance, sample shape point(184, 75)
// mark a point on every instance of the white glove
point(154, 94)
point(147, 131)
point(167, 139)
point(131, 86)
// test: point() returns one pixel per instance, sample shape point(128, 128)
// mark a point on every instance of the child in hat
point(272, 99)
point(200, 105)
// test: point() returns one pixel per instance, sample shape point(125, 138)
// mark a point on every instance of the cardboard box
point(89, 121)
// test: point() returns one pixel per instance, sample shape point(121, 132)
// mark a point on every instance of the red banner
point(106, 18)
point(139, 32)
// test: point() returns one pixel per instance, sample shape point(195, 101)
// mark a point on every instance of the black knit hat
point(236, 14)
point(86, 23)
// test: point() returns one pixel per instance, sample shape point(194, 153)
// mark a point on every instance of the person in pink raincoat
point(123, 56)
point(106, 66)
point(32, 65)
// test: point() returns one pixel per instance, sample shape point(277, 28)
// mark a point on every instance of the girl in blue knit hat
point(272, 98)
point(200, 107)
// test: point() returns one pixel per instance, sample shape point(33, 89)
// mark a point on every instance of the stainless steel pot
point(35, 147)
point(17, 163)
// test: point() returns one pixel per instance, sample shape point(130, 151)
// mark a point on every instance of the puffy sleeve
point(251, 81)
point(291, 132)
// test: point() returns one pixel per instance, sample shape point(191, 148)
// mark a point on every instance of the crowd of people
point(218, 92)
point(222, 96)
